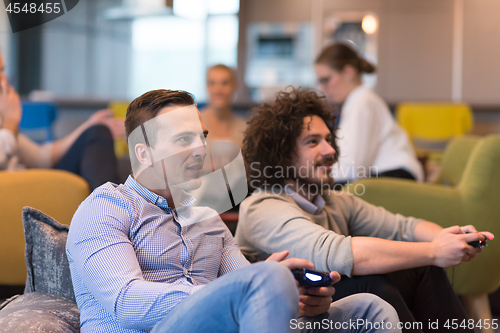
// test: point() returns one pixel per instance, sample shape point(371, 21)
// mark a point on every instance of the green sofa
point(467, 191)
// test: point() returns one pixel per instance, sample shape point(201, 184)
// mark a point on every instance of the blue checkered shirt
point(133, 259)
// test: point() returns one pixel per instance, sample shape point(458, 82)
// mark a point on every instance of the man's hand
point(10, 106)
point(317, 300)
point(451, 248)
point(107, 117)
point(291, 263)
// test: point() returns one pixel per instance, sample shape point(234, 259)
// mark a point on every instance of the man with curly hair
point(143, 257)
point(289, 149)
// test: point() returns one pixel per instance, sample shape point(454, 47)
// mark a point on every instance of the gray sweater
point(273, 222)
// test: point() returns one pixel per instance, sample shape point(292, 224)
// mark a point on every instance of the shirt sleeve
point(232, 258)
point(273, 224)
point(373, 221)
point(102, 256)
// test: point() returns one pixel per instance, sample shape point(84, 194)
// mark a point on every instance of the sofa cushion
point(39, 312)
point(46, 261)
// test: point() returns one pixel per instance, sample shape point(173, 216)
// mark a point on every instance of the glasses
point(324, 80)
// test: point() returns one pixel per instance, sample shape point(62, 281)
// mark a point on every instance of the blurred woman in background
point(218, 116)
point(225, 138)
point(371, 143)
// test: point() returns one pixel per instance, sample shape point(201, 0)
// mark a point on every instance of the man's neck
point(170, 196)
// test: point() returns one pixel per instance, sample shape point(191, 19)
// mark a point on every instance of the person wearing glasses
point(371, 143)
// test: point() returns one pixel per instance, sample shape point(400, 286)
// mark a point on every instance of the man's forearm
point(61, 146)
point(426, 231)
point(379, 256)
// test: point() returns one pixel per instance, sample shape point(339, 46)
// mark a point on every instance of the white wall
point(481, 71)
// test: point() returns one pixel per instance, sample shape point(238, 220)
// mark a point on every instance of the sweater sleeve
point(271, 223)
point(372, 221)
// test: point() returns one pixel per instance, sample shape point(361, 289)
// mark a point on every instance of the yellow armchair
point(54, 192)
point(431, 126)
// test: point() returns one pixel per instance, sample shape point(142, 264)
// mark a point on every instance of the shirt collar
point(186, 198)
point(313, 208)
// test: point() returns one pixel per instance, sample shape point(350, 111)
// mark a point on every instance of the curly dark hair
point(271, 136)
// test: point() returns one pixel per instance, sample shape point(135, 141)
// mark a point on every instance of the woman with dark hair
point(371, 143)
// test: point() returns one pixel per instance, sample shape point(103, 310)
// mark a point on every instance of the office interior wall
point(85, 56)
point(481, 70)
point(5, 32)
point(415, 43)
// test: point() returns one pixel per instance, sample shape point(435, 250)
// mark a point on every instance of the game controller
point(479, 243)
point(310, 278)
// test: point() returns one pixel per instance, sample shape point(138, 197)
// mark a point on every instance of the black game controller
point(479, 243)
point(310, 278)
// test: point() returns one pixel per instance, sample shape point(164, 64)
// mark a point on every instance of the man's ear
point(142, 154)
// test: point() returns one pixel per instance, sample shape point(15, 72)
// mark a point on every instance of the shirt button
point(160, 200)
point(186, 272)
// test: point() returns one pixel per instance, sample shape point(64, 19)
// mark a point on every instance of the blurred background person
point(87, 151)
point(218, 115)
point(371, 143)
point(225, 139)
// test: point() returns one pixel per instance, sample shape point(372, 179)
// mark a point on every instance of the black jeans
point(397, 173)
point(92, 156)
point(421, 294)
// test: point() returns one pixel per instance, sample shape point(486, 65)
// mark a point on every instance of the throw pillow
point(46, 261)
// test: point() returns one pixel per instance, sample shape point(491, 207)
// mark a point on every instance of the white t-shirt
point(370, 140)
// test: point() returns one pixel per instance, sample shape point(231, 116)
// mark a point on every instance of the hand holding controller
point(479, 243)
point(310, 278)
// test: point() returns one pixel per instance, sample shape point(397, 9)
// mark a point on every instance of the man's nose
point(327, 149)
point(200, 148)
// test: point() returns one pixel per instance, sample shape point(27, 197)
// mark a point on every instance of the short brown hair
point(338, 55)
point(148, 105)
point(223, 67)
point(271, 135)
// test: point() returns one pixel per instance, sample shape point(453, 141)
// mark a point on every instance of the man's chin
point(317, 183)
point(189, 185)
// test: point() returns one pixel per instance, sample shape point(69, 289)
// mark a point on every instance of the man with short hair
point(289, 149)
point(142, 257)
